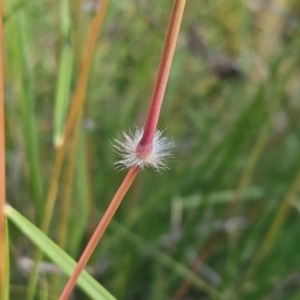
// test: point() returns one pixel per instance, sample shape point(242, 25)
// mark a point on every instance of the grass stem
point(145, 145)
point(162, 77)
point(128, 180)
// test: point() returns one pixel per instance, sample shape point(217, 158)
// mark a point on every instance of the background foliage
point(228, 207)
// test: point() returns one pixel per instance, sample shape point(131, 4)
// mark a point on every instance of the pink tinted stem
point(163, 75)
point(145, 144)
point(117, 199)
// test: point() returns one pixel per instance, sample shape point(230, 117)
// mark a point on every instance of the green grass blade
point(19, 44)
point(79, 218)
point(86, 282)
point(64, 75)
point(7, 285)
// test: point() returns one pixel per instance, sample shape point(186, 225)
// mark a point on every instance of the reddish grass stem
point(3, 248)
point(145, 145)
point(128, 180)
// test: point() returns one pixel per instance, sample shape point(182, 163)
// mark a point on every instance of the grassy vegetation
point(223, 221)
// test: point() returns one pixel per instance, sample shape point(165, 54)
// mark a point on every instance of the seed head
point(127, 148)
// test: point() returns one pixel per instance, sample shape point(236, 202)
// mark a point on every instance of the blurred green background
point(223, 221)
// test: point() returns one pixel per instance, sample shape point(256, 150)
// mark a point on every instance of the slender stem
point(145, 145)
point(79, 95)
point(163, 74)
point(68, 184)
point(128, 180)
point(3, 248)
point(66, 199)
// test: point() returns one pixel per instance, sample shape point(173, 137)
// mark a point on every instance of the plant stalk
point(145, 145)
point(121, 192)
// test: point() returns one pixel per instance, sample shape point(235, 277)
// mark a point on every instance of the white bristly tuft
point(127, 145)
